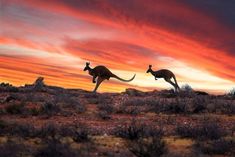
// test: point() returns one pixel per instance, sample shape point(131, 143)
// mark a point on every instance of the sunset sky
point(54, 38)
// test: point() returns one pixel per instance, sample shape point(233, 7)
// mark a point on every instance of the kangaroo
point(166, 74)
point(102, 73)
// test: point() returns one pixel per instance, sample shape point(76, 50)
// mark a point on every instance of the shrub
point(136, 102)
point(79, 108)
point(15, 108)
point(104, 115)
point(132, 131)
point(136, 130)
point(106, 107)
point(50, 108)
point(34, 111)
point(35, 97)
point(138, 105)
point(207, 130)
point(151, 147)
point(134, 110)
point(12, 97)
point(54, 148)
point(22, 130)
point(3, 125)
point(177, 106)
point(134, 92)
point(12, 149)
point(228, 108)
point(74, 104)
point(168, 93)
point(47, 130)
point(2, 111)
point(220, 146)
point(186, 88)
point(232, 92)
point(199, 104)
point(79, 132)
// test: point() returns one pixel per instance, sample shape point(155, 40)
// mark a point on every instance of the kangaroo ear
point(87, 63)
point(150, 66)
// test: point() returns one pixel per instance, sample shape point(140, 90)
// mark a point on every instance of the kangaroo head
point(87, 67)
point(149, 69)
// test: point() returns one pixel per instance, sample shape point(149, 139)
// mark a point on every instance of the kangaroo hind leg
point(99, 81)
point(174, 85)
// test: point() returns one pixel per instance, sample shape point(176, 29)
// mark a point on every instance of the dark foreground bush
point(53, 148)
point(131, 131)
point(206, 130)
point(150, 147)
point(136, 130)
point(12, 149)
point(220, 146)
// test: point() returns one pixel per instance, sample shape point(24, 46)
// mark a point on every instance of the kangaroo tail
point(176, 82)
point(123, 79)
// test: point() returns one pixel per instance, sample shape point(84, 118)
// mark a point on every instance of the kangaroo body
point(167, 75)
point(102, 73)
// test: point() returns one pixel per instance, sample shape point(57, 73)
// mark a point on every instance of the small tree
point(186, 88)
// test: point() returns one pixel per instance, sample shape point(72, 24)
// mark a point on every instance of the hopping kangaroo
point(102, 73)
point(166, 74)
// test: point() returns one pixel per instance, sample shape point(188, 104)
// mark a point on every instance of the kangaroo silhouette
point(101, 73)
point(166, 74)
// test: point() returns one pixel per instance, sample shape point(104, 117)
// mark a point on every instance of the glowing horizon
point(54, 39)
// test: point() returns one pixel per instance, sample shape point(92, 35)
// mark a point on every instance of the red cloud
point(167, 28)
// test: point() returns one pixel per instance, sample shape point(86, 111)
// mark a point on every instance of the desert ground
point(41, 120)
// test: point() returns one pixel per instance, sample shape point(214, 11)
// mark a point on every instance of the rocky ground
point(40, 120)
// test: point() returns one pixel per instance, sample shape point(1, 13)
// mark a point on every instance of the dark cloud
point(223, 11)
point(210, 22)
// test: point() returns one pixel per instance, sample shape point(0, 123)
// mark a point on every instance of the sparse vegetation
point(133, 123)
point(206, 130)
